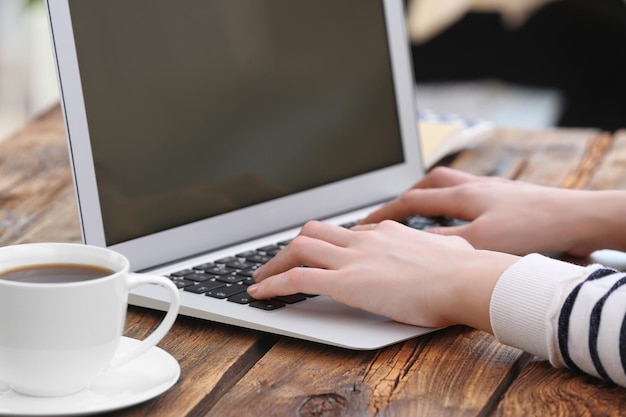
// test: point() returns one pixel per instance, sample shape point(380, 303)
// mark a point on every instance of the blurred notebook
point(203, 134)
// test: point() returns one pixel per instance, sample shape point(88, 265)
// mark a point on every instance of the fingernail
point(252, 289)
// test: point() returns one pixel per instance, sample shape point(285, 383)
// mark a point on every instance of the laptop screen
point(195, 111)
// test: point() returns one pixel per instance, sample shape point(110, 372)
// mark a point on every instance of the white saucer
point(149, 375)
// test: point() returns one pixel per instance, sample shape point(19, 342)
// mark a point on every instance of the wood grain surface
point(229, 371)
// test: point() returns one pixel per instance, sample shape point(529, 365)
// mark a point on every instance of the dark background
point(575, 46)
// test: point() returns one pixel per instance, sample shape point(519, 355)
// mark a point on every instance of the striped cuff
point(525, 303)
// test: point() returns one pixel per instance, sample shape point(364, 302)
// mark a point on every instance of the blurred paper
point(443, 135)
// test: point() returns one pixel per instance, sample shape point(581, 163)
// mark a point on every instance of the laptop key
point(291, 299)
point(245, 254)
point(205, 266)
point(231, 278)
point(182, 283)
point(226, 260)
point(349, 224)
point(202, 287)
point(423, 223)
point(258, 258)
point(268, 248)
point(241, 298)
point(216, 270)
point(226, 291)
point(238, 264)
point(247, 272)
point(420, 222)
point(267, 305)
point(448, 222)
point(182, 273)
point(198, 277)
point(247, 281)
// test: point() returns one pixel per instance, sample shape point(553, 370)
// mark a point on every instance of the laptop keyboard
point(228, 278)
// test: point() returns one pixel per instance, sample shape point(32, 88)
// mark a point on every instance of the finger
point(438, 179)
point(442, 177)
point(462, 231)
point(316, 246)
point(337, 235)
point(424, 202)
point(303, 250)
point(294, 281)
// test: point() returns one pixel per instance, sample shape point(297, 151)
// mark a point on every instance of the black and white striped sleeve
point(574, 316)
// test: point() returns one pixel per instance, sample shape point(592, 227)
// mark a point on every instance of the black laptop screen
point(199, 107)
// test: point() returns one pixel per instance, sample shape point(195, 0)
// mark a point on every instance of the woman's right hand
point(509, 216)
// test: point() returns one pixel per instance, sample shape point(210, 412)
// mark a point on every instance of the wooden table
point(231, 371)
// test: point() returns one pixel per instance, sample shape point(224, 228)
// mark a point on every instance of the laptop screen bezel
point(223, 230)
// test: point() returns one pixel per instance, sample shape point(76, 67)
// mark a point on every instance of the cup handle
point(135, 280)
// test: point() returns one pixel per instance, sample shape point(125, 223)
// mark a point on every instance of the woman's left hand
point(389, 269)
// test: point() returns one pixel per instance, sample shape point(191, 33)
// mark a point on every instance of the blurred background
point(28, 83)
point(575, 49)
point(523, 63)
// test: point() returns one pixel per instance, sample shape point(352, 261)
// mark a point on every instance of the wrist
point(473, 288)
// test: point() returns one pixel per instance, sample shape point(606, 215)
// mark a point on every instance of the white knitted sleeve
point(571, 315)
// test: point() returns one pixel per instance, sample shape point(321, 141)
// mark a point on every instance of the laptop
point(204, 133)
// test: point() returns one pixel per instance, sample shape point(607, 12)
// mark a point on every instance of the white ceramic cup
point(55, 338)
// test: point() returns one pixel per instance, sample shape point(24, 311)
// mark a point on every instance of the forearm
point(601, 222)
point(575, 222)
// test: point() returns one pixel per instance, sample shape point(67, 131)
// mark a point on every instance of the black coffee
point(55, 273)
